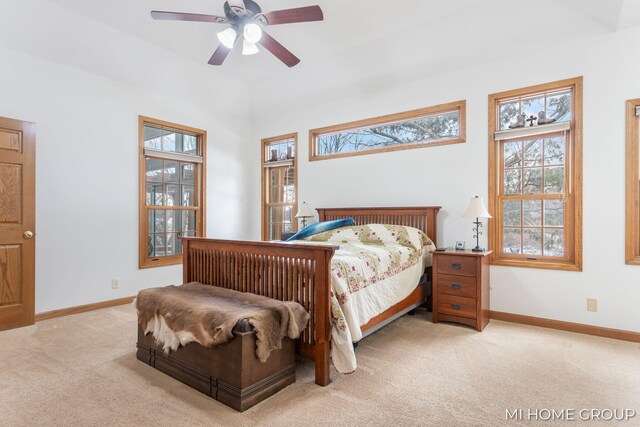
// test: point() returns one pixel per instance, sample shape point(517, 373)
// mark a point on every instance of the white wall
point(450, 175)
point(87, 147)
point(84, 84)
point(87, 175)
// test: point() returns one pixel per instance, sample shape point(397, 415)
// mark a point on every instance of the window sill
point(531, 131)
point(633, 260)
point(277, 163)
point(545, 265)
point(160, 261)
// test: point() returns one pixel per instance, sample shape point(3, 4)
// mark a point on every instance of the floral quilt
point(376, 267)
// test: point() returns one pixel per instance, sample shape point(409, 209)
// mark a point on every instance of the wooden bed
point(302, 273)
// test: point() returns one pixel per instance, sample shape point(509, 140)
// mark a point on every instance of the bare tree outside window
point(412, 129)
point(425, 129)
point(557, 105)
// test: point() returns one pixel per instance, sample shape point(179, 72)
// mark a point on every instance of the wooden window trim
point(632, 246)
point(573, 259)
point(404, 116)
point(143, 260)
point(263, 208)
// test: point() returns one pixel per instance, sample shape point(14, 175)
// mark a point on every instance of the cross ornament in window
point(531, 119)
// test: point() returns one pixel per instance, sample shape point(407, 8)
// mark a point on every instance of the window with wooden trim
point(279, 186)
point(172, 185)
point(425, 127)
point(535, 176)
point(632, 252)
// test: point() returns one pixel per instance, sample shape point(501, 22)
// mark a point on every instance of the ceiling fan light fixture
point(249, 48)
point(252, 32)
point(244, 19)
point(227, 37)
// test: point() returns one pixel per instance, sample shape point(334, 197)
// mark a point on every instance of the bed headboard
point(421, 217)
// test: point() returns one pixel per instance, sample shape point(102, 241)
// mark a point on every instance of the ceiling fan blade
point(252, 6)
point(194, 17)
point(279, 51)
point(219, 55)
point(290, 16)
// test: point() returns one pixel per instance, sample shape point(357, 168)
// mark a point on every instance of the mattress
point(375, 267)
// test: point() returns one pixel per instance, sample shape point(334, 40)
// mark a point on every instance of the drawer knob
point(456, 286)
point(455, 306)
point(456, 266)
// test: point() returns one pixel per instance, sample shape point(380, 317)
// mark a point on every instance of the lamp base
point(478, 249)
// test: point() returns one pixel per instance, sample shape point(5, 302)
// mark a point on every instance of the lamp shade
point(227, 37)
point(249, 48)
point(304, 211)
point(252, 33)
point(476, 209)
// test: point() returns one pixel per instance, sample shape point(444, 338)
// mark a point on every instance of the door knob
point(27, 234)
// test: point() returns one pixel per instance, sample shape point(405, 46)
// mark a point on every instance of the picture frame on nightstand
point(460, 245)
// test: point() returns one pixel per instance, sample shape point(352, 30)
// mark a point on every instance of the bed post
point(323, 320)
point(185, 261)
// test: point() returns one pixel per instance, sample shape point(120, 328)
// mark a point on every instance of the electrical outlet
point(592, 304)
point(115, 283)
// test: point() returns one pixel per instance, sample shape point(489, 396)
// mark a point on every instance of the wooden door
point(17, 223)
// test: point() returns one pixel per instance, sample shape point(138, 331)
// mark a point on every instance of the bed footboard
point(278, 270)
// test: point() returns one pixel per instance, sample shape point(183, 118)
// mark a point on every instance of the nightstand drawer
point(457, 265)
point(457, 306)
point(457, 285)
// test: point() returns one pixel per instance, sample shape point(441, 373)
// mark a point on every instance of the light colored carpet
point(81, 370)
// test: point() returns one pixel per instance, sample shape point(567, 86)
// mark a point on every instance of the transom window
point(172, 178)
point(535, 191)
point(555, 104)
point(441, 124)
point(279, 186)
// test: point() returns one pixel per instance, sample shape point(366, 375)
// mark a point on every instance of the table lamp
point(304, 212)
point(477, 210)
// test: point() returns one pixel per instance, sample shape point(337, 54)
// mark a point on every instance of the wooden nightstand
point(461, 287)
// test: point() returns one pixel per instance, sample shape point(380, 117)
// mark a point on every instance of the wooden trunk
point(231, 374)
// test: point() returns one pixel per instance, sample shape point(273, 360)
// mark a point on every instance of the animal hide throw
point(178, 315)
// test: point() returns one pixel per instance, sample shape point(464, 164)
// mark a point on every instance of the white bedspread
point(376, 267)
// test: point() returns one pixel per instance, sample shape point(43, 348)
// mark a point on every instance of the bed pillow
point(321, 227)
point(381, 234)
point(376, 234)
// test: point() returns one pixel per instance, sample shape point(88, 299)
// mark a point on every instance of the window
point(535, 177)
point(279, 186)
point(172, 176)
point(438, 125)
point(633, 182)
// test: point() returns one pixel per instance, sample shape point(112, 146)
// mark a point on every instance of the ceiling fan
point(248, 21)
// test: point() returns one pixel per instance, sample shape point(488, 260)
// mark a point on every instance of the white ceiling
point(347, 23)
point(361, 44)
